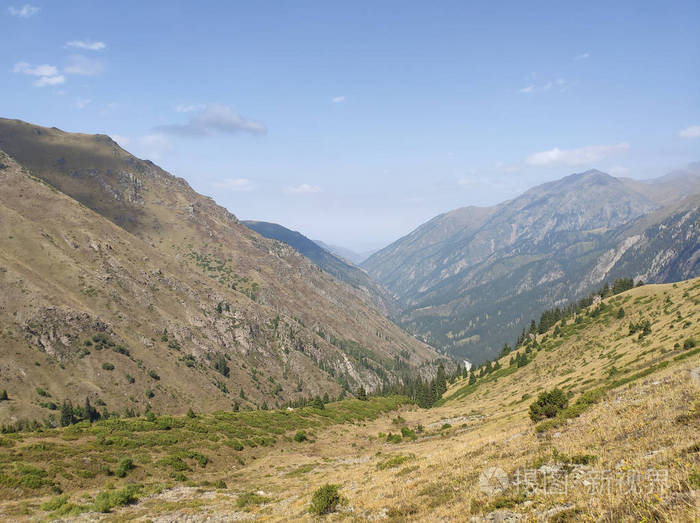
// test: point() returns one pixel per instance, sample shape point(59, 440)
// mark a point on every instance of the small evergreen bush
point(548, 404)
point(325, 500)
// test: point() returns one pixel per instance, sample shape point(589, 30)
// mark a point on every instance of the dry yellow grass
point(93, 240)
point(649, 425)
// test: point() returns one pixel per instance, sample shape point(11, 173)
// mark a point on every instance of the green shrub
point(107, 366)
point(325, 500)
point(153, 374)
point(641, 326)
point(221, 366)
point(41, 392)
point(393, 438)
point(235, 444)
point(408, 433)
point(107, 500)
point(120, 349)
point(250, 498)
point(300, 436)
point(548, 404)
point(55, 503)
point(393, 461)
point(689, 343)
point(125, 465)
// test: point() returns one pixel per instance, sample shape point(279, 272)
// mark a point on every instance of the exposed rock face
point(57, 332)
point(469, 279)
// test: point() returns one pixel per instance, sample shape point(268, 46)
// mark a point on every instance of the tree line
point(549, 318)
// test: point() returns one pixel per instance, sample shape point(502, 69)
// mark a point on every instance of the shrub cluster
point(548, 404)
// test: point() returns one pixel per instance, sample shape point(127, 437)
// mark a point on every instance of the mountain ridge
point(458, 272)
point(113, 270)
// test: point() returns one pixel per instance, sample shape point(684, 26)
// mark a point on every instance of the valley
point(121, 285)
point(397, 262)
point(632, 423)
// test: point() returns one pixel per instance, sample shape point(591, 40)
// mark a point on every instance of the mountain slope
point(631, 428)
point(668, 189)
point(329, 262)
point(100, 250)
point(468, 279)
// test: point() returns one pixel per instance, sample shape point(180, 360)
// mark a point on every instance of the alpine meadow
point(311, 261)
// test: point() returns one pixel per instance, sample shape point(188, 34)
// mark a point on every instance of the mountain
point(332, 264)
point(627, 418)
point(670, 188)
point(120, 283)
point(469, 280)
point(346, 254)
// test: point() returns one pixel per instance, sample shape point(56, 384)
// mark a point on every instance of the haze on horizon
point(355, 123)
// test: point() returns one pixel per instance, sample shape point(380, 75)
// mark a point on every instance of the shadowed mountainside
point(329, 262)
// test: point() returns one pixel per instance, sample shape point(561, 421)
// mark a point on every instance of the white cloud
point(48, 74)
point(183, 108)
point(571, 157)
point(690, 132)
point(215, 119)
point(50, 80)
point(338, 99)
point(26, 11)
point(36, 70)
point(123, 141)
point(560, 84)
point(88, 45)
point(304, 188)
point(82, 103)
point(582, 56)
point(234, 184)
point(82, 65)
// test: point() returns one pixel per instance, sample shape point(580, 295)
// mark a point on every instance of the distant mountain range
point(470, 279)
point(355, 257)
point(120, 283)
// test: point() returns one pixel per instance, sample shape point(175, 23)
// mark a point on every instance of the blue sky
point(354, 122)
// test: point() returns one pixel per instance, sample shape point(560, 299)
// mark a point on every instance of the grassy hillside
point(626, 445)
point(120, 284)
